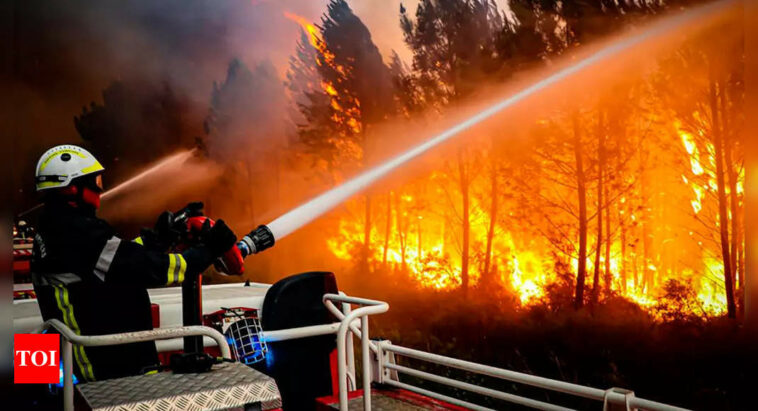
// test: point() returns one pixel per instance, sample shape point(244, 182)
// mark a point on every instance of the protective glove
point(170, 228)
point(167, 233)
point(151, 241)
point(231, 263)
point(219, 238)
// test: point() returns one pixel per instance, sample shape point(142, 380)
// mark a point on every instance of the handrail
point(140, 336)
point(346, 309)
point(70, 337)
point(299, 332)
point(528, 402)
point(354, 328)
point(611, 396)
point(369, 307)
point(348, 323)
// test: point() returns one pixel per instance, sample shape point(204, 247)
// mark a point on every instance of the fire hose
point(186, 228)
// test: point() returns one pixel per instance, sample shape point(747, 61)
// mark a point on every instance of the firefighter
point(92, 280)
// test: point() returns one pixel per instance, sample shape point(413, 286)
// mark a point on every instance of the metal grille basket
point(241, 327)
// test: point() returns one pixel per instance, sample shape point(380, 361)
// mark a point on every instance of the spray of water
point(172, 160)
point(305, 213)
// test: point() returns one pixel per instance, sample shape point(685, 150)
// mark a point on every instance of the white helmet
point(62, 164)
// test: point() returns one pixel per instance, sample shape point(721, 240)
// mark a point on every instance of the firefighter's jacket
point(96, 283)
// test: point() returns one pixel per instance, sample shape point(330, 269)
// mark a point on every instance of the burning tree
point(593, 191)
point(448, 67)
point(704, 92)
point(347, 88)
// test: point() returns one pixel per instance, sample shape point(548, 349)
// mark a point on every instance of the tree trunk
point(646, 281)
point(723, 216)
point(622, 266)
point(641, 276)
point(387, 229)
point(607, 274)
point(466, 224)
point(636, 271)
point(486, 275)
point(731, 180)
point(401, 234)
point(367, 226)
point(599, 243)
point(581, 271)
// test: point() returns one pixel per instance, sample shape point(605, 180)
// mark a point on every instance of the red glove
point(231, 261)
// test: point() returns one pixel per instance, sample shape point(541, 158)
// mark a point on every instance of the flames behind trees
point(617, 191)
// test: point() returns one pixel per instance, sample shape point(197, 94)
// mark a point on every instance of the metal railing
point(616, 396)
point(369, 307)
point(350, 322)
point(355, 322)
point(69, 337)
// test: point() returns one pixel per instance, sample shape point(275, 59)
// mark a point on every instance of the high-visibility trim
point(106, 257)
point(46, 184)
point(93, 168)
point(67, 311)
point(58, 153)
point(171, 273)
point(182, 268)
point(177, 267)
point(139, 241)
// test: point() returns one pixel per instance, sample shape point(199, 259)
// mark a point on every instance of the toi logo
point(36, 358)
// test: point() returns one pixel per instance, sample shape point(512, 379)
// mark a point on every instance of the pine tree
point(353, 93)
point(316, 129)
point(453, 44)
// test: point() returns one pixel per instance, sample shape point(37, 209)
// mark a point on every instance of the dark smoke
point(64, 55)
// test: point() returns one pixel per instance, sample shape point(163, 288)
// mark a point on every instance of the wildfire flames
point(410, 238)
point(324, 57)
point(645, 257)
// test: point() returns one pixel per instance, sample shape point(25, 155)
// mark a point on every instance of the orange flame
point(313, 34)
point(324, 56)
point(421, 243)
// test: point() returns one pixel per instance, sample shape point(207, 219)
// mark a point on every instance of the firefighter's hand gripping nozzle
point(258, 240)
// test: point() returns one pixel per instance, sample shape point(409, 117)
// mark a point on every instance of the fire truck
point(297, 344)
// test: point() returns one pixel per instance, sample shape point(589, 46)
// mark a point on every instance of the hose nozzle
point(258, 240)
